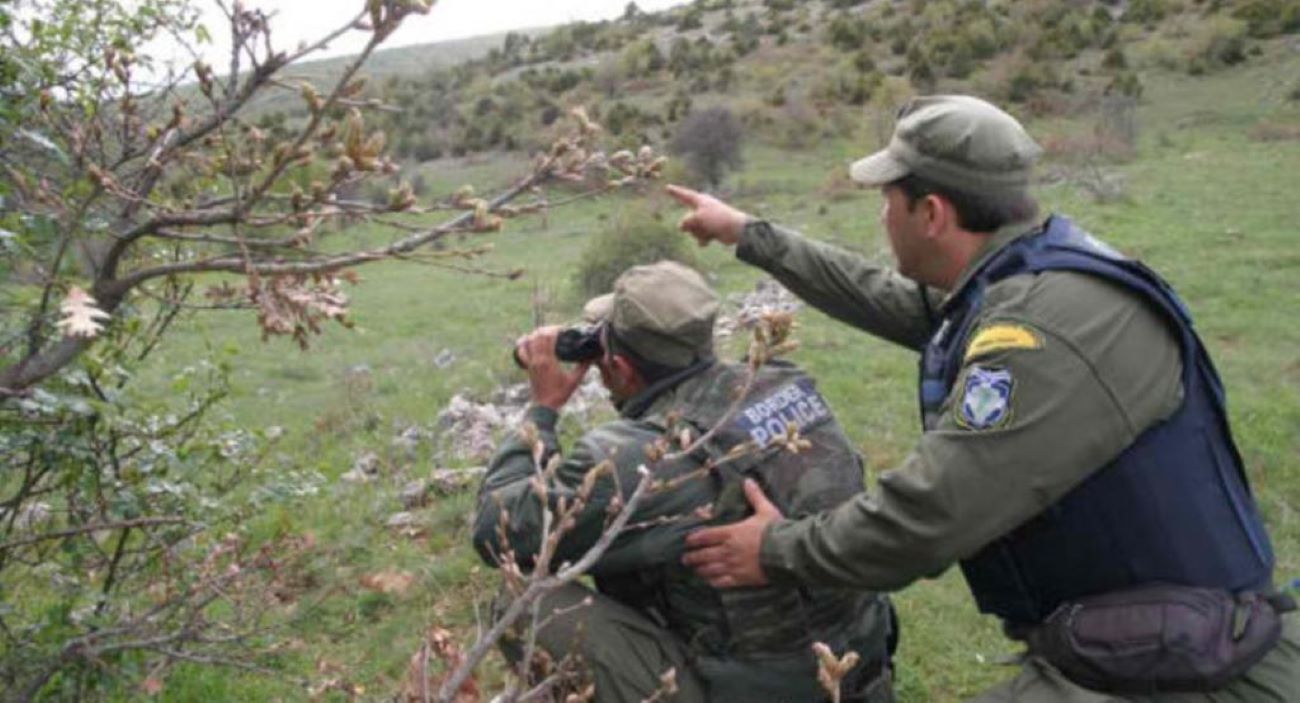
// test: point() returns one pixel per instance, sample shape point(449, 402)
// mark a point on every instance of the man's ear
point(939, 215)
point(624, 369)
point(628, 376)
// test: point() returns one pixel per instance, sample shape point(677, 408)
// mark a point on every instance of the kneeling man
point(649, 613)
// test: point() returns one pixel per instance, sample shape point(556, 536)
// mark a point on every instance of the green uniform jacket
point(766, 629)
point(1103, 368)
point(1094, 367)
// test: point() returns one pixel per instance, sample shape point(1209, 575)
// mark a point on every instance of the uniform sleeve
point(843, 285)
point(1021, 428)
point(508, 487)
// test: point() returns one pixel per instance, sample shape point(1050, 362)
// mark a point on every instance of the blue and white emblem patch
point(986, 399)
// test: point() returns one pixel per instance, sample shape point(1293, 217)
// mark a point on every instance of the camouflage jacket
point(642, 568)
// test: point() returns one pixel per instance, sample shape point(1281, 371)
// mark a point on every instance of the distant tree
point(679, 106)
point(631, 12)
point(608, 78)
point(846, 33)
point(680, 57)
point(514, 46)
point(711, 142)
point(690, 20)
point(726, 77)
point(1145, 11)
point(919, 69)
point(1268, 18)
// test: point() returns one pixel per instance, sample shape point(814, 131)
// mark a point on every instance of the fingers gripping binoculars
point(574, 345)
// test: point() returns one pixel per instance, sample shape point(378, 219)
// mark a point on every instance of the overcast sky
point(300, 20)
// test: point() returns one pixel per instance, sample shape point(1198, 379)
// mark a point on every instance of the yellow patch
point(1002, 337)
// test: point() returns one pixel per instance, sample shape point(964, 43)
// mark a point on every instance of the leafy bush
point(1125, 83)
point(919, 70)
point(845, 86)
point(711, 142)
point(1115, 60)
point(847, 33)
point(1269, 18)
point(639, 236)
point(1146, 11)
point(1219, 42)
point(689, 20)
point(1029, 78)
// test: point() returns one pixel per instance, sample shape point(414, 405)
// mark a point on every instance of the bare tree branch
point(99, 527)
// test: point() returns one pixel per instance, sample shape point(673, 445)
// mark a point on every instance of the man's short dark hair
point(650, 371)
point(982, 212)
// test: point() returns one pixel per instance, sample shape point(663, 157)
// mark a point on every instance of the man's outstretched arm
point(841, 284)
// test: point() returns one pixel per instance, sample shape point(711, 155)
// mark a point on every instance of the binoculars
point(575, 345)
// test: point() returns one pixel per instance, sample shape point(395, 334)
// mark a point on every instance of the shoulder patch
point(986, 398)
point(796, 403)
point(1001, 337)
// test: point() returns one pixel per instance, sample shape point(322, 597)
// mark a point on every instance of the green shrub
point(919, 70)
point(1125, 83)
point(1028, 79)
point(1217, 43)
point(690, 20)
point(1145, 11)
point(1115, 60)
point(1157, 53)
point(639, 236)
point(1269, 18)
point(847, 33)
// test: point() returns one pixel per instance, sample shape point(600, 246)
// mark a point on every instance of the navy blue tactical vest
point(1174, 507)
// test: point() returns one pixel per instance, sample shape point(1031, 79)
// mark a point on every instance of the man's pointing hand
point(710, 219)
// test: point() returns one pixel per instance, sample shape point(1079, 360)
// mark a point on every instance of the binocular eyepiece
point(575, 345)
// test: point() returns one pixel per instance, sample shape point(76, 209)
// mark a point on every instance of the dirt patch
point(1274, 132)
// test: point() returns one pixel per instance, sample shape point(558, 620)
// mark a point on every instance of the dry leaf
point(429, 666)
point(393, 583)
point(832, 670)
point(81, 315)
point(152, 686)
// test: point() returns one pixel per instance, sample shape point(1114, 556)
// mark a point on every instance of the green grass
point(1212, 210)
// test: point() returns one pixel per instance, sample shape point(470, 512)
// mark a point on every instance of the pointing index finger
point(685, 196)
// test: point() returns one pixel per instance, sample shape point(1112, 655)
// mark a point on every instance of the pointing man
point(1076, 458)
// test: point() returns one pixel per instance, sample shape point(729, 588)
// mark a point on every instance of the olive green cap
point(663, 311)
point(958, 141)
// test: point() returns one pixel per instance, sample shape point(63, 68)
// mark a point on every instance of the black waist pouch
point(1159, 637)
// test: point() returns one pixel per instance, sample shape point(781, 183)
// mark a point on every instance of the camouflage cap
point(664, 312)
point(957, 141)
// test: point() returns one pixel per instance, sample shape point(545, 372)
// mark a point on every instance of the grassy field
point(1210, 207)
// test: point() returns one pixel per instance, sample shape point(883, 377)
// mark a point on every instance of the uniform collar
point(640, 404)
point(992, 245)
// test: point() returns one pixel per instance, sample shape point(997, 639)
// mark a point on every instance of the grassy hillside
point(383, 65)
point(796, 71)
point(1204, 195)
